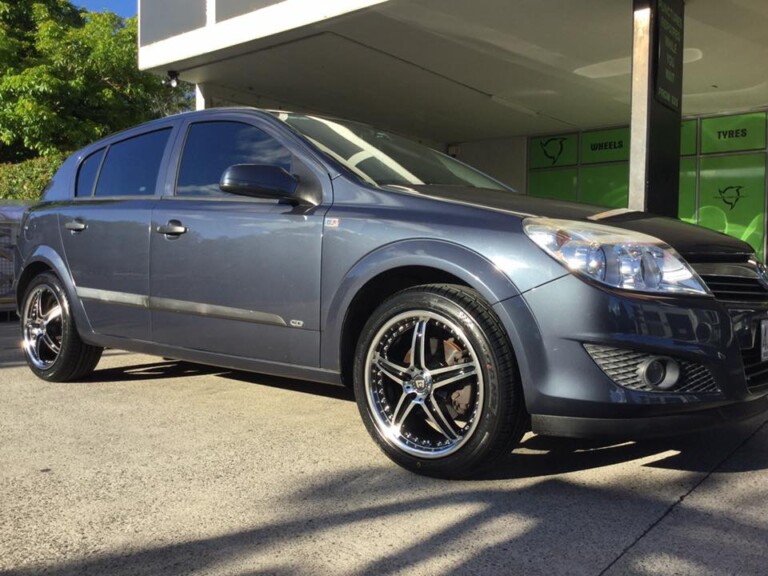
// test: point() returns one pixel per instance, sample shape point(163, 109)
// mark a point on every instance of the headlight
point(618, 258)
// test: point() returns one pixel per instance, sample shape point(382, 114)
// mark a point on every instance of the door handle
point(76, 225)
point(172, 228)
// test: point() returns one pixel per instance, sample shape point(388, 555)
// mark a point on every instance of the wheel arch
point(393, 268)
point(46, 259)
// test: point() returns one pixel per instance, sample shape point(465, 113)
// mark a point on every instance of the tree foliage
point(69, 76)
point(25, 180)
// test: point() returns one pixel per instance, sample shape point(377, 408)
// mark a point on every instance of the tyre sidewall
point(69, 337)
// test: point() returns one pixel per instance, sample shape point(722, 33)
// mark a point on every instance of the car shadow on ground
point(546, 456)
point(547, 515)
point(169, 369)
point(162, 370)
point(536, 456)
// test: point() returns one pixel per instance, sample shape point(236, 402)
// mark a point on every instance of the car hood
point(693, 242)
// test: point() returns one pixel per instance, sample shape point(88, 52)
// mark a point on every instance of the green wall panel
point(733, 133)
point(688, 137)
point(732, 196)
point(686, 210)
point(559, 184)
point(606, 185)
point(552, 151)
point(722, 172)
point(605, 146)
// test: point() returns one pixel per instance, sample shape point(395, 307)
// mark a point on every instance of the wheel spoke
point(38, 341)
point(450, 374)
point(441, 422)
point(52, 314)
point(391, 370)
point(403, 408)
point(51, 343)
point(418, 344)
point(37, 306)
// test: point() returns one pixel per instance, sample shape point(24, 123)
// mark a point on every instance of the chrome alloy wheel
point(424, 384)
point(43, 326)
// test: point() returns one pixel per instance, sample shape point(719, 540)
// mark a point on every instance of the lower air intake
point(625, 367)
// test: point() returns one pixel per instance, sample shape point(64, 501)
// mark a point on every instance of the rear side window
point(131, 166)
point(86, 176)
point(212, 147)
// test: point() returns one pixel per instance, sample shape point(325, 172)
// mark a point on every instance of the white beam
point(286, 15)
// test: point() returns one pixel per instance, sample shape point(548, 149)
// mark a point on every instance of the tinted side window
point(86, 176)
point(131, 166)
point(212, 147)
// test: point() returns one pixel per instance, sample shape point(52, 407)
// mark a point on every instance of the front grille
point(735, 281)
point(743, 283)
point(736, 288)
point(622, 365)
point(755, 371)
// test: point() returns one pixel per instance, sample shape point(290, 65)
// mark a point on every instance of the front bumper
point(568, 394)
point(648, 427)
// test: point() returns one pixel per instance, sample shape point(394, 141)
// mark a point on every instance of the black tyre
point(52, 347)
point(436, 382)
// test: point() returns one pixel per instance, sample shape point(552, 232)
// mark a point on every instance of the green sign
point(669, 66)
point(605, 185)
point(550, 151)
point(732, 197)
point(605, 146)
point(561, 184)
point(733, 133)
point(688, 137)
point(686, 210)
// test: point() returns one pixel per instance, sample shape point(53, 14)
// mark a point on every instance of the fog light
point(659, 372)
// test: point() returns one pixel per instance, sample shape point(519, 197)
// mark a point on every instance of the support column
point(200, 99)
point(657, 93)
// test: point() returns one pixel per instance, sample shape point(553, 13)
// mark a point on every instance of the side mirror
point(260, 181)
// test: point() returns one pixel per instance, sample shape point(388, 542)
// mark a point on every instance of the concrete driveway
point(164, 468)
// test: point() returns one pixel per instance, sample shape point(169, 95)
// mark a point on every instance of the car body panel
point(108, 262)
point(687, 239)
point(233, 306)
point(43, 250)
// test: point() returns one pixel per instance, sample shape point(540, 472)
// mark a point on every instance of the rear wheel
point(52, 347)
point(436, 383)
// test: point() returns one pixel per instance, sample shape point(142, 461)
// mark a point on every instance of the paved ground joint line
point(680, 500)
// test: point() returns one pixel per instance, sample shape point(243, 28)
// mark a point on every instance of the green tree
point(69, 76)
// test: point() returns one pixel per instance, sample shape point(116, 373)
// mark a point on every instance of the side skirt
point(221, 360)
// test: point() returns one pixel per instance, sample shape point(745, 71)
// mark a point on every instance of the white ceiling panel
point(453, 70)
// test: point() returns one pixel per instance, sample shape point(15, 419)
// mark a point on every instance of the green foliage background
point(25, 180)
point(67, 77)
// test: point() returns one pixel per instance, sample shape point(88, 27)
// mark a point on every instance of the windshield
point(383, 158)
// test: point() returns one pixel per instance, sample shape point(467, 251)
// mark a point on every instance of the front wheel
point(436, 383)
point(52, 347)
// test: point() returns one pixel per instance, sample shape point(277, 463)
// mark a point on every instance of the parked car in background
point(10, 215)
point(462, 313)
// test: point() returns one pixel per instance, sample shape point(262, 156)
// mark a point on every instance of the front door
point(230, 274)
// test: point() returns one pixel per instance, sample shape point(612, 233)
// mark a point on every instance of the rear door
point(105, 231)
point(237, 275)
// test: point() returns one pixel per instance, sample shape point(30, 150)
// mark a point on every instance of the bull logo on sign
point(552, 148)
point(731, 195)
